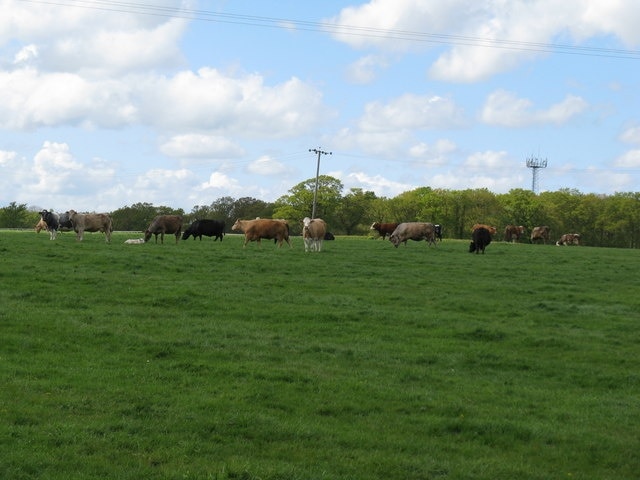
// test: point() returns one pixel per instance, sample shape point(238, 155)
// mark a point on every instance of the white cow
point(313, 232)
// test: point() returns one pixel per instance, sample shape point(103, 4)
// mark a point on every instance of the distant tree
point(351, 212)
point(138, 216)
point(249, 207)
point(299, 202)
point(14, 216)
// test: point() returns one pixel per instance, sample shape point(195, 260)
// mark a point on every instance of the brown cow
point(91, 222)
point(313, 232)
point(512, 233)
point(413, 231)
point(540, 233)
point(171, 224)
point(383, 229)
point(255, 230)
point(492, 230)
point(569, 239)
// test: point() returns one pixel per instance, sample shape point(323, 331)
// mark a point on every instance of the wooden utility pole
point(315, 191)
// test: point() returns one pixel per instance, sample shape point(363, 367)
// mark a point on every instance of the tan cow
point(41, 225)
point(313, 232)
point(91, 222)
point(413, 231)
point(540, 233)
point(512, 233)
point(170, 224)
point(492, 230)
point(255, 230)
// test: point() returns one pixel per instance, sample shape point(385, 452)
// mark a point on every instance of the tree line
point(601, 220)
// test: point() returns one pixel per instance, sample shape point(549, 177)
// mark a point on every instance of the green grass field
point(205, 360)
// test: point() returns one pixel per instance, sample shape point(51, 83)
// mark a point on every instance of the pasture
point(204, 360)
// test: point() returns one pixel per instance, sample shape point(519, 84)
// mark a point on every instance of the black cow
point(437, 229)
point(52, 220)
point(480, 238)
point(65, 222)
point(208, 228)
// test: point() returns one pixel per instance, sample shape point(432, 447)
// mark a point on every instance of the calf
point(481, 237)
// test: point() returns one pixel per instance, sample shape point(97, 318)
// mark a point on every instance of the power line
point(339, 29)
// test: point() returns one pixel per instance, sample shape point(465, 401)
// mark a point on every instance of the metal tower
point(535, 164)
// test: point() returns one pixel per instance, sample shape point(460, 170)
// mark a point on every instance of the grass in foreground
point(207, 360)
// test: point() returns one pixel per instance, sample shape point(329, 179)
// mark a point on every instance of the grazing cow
point(52, 221)
point(512, 233)
point(437, 228)
point(383, 229)
point(492, 230)
point(255, 230)
point(170, 224)
point(413, 231)
point(41, 225)
point(540, 233)
point(313, 233)
point(480, 238)
point(569, 239)
point(208, 228)
point(91, 222)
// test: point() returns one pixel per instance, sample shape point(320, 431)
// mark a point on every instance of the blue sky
point(105, 104)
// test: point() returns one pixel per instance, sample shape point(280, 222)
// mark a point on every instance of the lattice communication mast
point(535, 164)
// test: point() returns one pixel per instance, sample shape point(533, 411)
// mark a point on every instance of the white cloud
point(630, 159)
point(266, 165)
point(631, 135)
point(506, 109)
point(201, 146)
point(365, 69)
point(411, 111)
point(483, 37)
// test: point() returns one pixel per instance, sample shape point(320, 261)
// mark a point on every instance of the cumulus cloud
point(482, 37)
point(195, 145)
point(411, 111)
point(630, 159)
point(365, 69)
point(266, 165)
point(504, 108)
point(631, 135)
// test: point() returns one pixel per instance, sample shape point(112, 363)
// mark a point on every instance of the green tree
point(14, 216)
point(299, 201)
point(351, 213)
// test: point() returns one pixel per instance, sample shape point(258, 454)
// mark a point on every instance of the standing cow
point(492, 230)
point(91, 222)
point(540, 233)
point(413, 231)
point(383, 229)
point(170, 224)
point(208, 228)
point(52, 222)
point(569, 239)
point(512, 233)
point(313, 233)
point(480, 238)
point(255, 230)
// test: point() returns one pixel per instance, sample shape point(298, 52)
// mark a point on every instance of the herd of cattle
point(314, 231)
